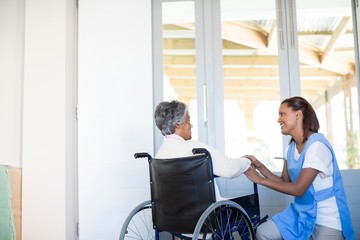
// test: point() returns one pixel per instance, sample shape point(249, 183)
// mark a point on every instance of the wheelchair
point(183, 204)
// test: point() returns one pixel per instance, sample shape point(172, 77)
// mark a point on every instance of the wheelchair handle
point(200, 150)
point(142, 155)
point(206, 152)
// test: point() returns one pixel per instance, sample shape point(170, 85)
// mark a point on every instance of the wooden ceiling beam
point(340, 29)
point(307, 56)
point(181, 72)
point(249, 96)
point(318, 86)
point(319, 33)
point(235, 31)
point(247, 36)
point(311, 58)
point(227, 60)
point(178, 43)
point(253, 84)
point(189, 43)
point(272, 36)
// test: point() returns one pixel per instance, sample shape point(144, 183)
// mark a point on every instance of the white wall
point(38, 70)
point(11, 73)
point(49, 125)
point(115, 112)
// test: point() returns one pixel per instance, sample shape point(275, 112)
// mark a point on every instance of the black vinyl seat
point(181, 190)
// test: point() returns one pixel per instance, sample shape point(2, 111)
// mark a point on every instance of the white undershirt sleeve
point(319, 157)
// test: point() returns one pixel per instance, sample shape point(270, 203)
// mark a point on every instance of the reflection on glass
point(251, 80)
point(328, 80)
point(179, 55)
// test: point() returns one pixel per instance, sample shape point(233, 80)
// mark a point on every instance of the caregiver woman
point(311, 174)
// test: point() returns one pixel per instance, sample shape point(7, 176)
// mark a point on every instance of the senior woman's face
point(184, 130)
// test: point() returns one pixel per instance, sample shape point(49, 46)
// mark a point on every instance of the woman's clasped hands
point(252, 173)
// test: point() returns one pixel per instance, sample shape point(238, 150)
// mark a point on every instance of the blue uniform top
point(298, 220)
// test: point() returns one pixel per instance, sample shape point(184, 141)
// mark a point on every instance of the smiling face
point(184, 129)
point(290, 120)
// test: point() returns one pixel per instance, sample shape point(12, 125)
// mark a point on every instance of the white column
point(49, 124)
point(115, 113)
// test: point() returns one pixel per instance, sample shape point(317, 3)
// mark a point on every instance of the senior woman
point(173, 120)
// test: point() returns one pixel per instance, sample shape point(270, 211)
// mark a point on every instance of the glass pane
point(179, 56)
point(251, 80)
point(328, 80)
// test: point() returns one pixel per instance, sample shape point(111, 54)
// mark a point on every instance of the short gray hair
point(168, 115)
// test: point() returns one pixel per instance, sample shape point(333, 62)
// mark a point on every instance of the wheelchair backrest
point(181, 190)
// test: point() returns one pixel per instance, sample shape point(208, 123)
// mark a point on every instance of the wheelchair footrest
point(264, 219)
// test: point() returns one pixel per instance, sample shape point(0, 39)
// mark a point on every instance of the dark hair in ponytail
point(310, 120)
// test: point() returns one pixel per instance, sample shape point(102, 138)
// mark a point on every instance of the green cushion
point(7, 228)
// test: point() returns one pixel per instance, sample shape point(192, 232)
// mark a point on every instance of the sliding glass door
point(175, 57)
point(233, 62)
point(328, 72)
point(251, 79)
point(187, 50)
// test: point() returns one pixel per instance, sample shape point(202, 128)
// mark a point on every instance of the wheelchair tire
point(139, 224)
point(224, 220)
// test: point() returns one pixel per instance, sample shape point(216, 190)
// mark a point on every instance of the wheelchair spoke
point(139, 224)
point(227, 223)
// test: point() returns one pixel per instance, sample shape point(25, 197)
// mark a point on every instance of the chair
point(183, 204)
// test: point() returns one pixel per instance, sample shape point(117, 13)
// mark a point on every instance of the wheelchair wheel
point(139, 224)
point(224, 220)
